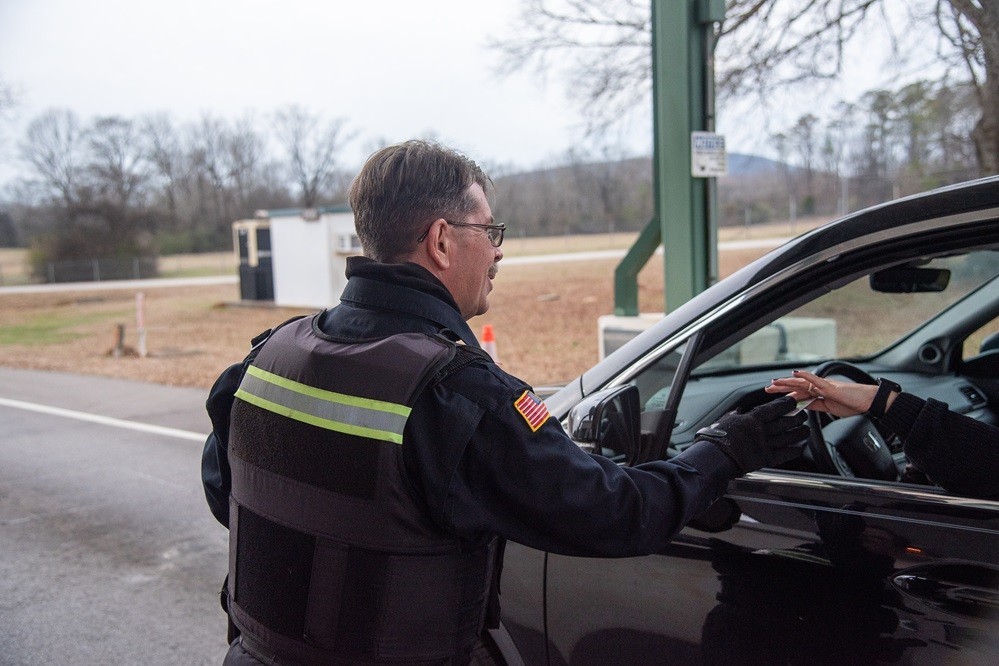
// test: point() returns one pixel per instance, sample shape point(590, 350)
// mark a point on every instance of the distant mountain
point(746, 165)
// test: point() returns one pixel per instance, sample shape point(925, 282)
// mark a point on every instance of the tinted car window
point(983, 340)
point(855, 321)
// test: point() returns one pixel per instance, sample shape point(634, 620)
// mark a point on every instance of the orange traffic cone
point(488, 341)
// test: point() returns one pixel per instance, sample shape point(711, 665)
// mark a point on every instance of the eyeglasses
point(493, 231)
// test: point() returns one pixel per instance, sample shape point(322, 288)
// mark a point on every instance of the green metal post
point(626, 273)
point(710, 12)
point(672, 101)
point(680, 81)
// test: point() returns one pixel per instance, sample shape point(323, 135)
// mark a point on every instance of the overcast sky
point(394, 69)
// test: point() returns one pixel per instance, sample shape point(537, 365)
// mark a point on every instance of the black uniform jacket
point(957, 452)
point(476, 460)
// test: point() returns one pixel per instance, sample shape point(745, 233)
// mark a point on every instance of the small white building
point(309, 250)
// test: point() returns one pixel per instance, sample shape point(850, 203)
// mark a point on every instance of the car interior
point(928, 322)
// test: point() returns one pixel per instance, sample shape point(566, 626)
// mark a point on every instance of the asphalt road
point(108, 553)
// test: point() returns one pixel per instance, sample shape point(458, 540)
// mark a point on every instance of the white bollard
point(140, 322)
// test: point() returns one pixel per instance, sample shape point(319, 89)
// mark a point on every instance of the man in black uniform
point(370, 461)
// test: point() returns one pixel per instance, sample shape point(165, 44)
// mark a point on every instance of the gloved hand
point(762, 437)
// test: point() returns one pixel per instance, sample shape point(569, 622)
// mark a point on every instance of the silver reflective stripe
point(349, 414)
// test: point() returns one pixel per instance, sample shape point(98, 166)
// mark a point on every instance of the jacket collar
point(407, 289)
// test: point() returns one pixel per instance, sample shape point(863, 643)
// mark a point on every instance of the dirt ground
point(544, 317)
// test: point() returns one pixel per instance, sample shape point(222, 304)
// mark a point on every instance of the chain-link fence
point(15, 269)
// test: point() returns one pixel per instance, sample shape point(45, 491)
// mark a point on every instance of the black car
point(832, 560)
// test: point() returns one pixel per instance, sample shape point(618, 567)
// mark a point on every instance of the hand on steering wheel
point(850, 447)
point(831, 396)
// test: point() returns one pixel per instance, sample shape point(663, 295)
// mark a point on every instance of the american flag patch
point(532, 409)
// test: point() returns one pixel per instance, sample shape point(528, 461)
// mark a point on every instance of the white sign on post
point(708, 158)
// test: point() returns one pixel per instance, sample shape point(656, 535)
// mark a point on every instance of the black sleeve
point(215, 474)
point(957, 452)
point(484, 469)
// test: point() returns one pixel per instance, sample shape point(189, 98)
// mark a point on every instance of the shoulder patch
point(532, 409)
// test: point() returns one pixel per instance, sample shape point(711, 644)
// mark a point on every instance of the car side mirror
point(607, 422)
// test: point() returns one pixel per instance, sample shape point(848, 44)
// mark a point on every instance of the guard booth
point(252, 241)
point(307, 254)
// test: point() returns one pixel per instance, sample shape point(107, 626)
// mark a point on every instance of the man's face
point(475, 264)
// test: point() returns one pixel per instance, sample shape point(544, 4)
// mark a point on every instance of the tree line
point(117, 186)
point(888, 143)
point(120, 187)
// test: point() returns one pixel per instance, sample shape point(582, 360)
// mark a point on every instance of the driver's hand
point(762, 437)
point(834, 397)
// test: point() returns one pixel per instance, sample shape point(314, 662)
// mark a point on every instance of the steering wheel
point(851, 446)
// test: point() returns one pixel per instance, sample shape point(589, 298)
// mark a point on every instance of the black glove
point(762, 437)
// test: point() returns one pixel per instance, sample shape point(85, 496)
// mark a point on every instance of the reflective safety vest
point(332, 558)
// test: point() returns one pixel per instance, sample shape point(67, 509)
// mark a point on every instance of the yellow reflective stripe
point(330, 396)
point(320, 422)
point(375, 419)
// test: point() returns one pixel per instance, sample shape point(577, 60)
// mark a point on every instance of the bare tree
point(972, 28)
point(213, 185)
point(8, 102)
point(119, 166)
point(875, 156)
point(54, 148)
point(243, 153)
point(804, 139)
point(953, 120)
point(609, 40)
point(313, 145)
point(229, 174)
point(8, 98)
point(834, 154)
point(763, 44)
point(165, 156)
point(789, 174)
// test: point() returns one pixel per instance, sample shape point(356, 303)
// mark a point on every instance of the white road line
point(104, 420)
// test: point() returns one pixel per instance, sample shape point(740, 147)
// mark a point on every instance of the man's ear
point(439, 245)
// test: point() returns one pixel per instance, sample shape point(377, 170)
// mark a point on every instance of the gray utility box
point(787, 339)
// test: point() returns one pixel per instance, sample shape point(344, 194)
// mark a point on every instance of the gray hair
point(401, 189)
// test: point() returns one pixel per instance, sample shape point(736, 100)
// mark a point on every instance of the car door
point(794, 569)
point(791, 566)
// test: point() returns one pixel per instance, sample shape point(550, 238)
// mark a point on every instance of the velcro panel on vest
point(398, 606)
point(275, 568)
point(330, 515)
point(354, 601)
point(293, 449)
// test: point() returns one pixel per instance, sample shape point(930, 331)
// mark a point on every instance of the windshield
point(855, 321)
